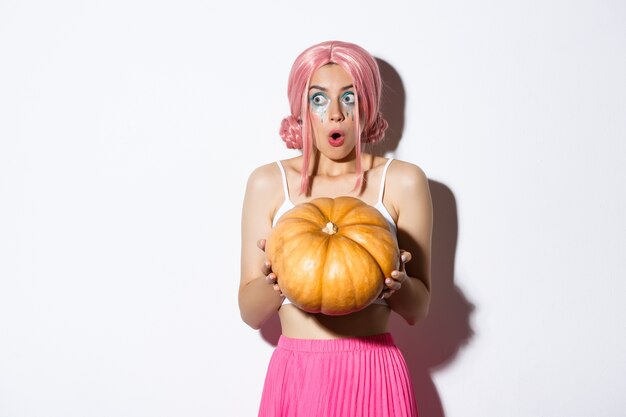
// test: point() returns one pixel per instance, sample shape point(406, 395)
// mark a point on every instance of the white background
point(128, 130)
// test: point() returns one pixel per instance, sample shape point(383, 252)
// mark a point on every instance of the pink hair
point(361, 66)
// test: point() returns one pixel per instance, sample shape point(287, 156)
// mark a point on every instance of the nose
point(335, 111)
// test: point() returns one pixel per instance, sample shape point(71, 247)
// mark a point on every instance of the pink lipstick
point(336, 137)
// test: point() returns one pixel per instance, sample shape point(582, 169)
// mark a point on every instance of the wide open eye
point(319, 99)
point(348, 98)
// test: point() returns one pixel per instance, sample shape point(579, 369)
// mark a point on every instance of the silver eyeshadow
point(320, 102)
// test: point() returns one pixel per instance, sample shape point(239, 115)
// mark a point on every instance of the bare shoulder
point(406, 177)
point(264, 189)
point(264, 178)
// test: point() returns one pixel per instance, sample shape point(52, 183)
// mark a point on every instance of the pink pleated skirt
point(351, 377)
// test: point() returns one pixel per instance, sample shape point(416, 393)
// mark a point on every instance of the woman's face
point(332, 103)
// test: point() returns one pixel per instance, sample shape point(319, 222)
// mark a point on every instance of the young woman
point(336, 365)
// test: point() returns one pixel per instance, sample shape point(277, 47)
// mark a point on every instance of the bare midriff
point(302, 325)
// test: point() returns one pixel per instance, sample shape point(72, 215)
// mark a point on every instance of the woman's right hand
point(270, 277)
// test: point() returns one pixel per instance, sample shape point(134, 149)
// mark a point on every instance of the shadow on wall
point(392, 105)
point(433, 343)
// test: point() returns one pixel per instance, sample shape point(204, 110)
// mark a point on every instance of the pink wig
point(295, 130)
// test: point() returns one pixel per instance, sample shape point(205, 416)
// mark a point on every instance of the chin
point(342, 155)
point(343, 152)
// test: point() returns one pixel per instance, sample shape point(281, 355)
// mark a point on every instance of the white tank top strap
point(382, 182)
point(282, 172)
point(287, 204)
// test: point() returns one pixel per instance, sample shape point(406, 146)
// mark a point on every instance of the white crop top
point(287, 205)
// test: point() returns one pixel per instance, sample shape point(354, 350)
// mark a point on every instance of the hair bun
point(376, 131)
point(291, 132)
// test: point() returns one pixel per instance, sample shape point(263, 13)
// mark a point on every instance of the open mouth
point(335, 138)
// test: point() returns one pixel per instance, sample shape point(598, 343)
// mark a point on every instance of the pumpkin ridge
point(393, 241)
point(365, 224)
point(354, 291)
point(371, 257)
point(368, 253)
point(297, 220)
point(338, 218)
point(320, 278)
point(322, 248)
point(321, 212)
point(343, 256)
point(287, 255)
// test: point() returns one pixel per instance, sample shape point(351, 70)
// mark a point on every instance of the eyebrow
point(319, 87)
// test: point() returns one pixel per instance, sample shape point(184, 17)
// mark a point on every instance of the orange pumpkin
point(332, 255)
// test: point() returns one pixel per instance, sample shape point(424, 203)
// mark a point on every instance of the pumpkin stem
point(330, 228)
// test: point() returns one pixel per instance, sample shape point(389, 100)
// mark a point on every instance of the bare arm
point(258, 301)
point(411, 198)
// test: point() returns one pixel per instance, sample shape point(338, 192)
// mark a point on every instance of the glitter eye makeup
point(347, 101)
point(348, 98)
point(319, 99)
point(319, 104)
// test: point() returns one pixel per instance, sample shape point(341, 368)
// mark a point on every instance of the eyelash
point(349, 94)
point(343, 97)
point(314, 96)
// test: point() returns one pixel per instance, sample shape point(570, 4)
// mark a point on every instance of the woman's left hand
point(394, 283)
